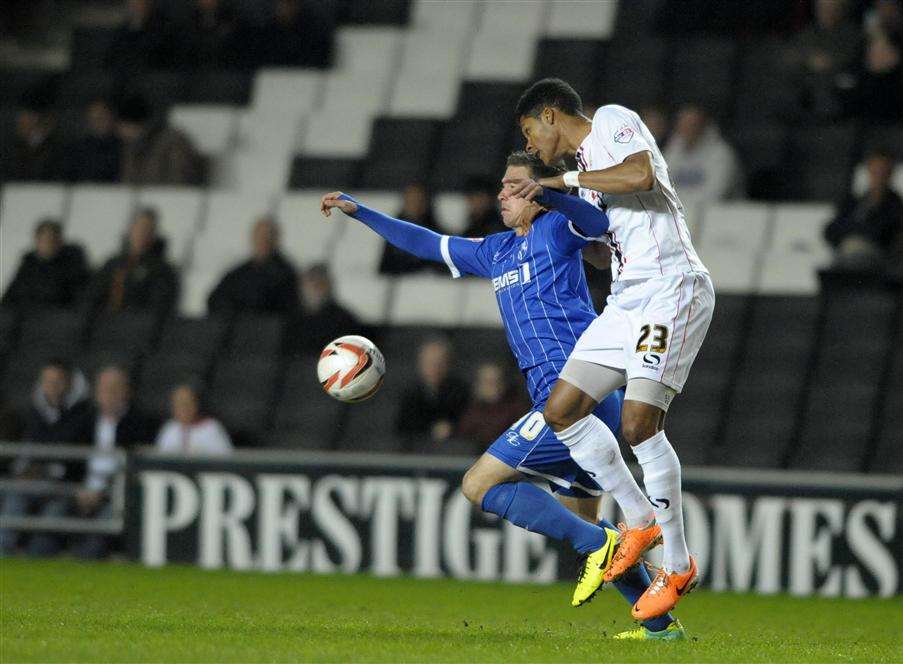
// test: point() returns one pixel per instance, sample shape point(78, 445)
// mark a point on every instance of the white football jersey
point(647, 234)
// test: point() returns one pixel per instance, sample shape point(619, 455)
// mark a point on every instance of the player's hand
point(332, 200)
point(522, 188)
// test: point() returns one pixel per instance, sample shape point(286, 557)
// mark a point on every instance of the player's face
point(512, 208)
point(542, 137)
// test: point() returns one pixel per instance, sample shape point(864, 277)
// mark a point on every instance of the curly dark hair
point(548, 93)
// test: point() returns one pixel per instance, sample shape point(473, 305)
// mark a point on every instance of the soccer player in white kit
point(653, 325)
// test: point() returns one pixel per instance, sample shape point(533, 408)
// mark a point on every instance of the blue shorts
point(531, 447)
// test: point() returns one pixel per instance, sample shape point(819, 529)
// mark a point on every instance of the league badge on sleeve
point(624, 135)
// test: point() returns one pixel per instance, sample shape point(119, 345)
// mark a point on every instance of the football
point(351, 368)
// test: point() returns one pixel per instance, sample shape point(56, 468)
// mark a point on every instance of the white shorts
point(651, 328)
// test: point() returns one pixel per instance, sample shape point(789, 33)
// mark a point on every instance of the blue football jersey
point(541, 290)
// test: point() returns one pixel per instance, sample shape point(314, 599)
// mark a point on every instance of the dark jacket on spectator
point(421, 408)
point(267, 287)
point(125, 284)
point(163, 155)
point(879, 223)
point(134, 428)
point(483, 422)
point(57, 282)
point(310, 331)
point(94, 159)
point(42, 161)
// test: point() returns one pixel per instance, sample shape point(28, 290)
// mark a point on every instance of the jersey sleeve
point(468, 255)
point(563, 236)
point(617, 131)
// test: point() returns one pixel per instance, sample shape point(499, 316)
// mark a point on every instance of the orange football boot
point(634, 542)
point(665, 592)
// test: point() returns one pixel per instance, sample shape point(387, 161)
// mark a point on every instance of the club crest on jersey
point(624, 135)
point(513, 438)
point(522, 252)
point(512, 277)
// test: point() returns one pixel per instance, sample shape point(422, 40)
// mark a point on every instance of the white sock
point(661, 475)
point(594, 447)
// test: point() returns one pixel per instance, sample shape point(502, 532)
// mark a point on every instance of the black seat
point(401, 151)
point(220, 87)
point(19, 378)
point(163, 371)
point(316, 172)
point(199, 337)
point(567, 59)
point(241, 394)
point(127, 333)
point(822, 158)
point(702, 72)
point(763, 151)
point(52, 332)
point(385, 12)
point(765, 90)
point(259, 336)
point(305, 414)
point(81, 87)
point(482, 98)
point(456, 146)
point(9, 329)
point(645, 59)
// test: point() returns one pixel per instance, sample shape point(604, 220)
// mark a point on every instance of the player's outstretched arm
point(414, 239)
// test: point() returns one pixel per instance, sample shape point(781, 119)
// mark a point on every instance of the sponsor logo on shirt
point(519, 276)
point(624, 135)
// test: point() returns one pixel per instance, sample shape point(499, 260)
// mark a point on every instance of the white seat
point(225, 238)
point(196, 288)
point(267, 130)
point(797, 250)
point(307, 236)
point(513, 17)
point(362, 92)
point(257, 173)
point(426, 300)
point(458, 16)
point(731, 242)
point(366, 297)
point(480, 304)
point(367, 49)
point(425, 95)
point(500, 57)
point(358, 249)
point(861, 180)
point(98, 218)
point(579, 18)
point(211, 127)
point(337, 134)
point(451, 209)
point(179, 214)
point(292, 91)
point(23, 206)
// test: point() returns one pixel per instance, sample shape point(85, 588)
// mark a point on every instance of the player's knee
point(474, 487)
point(636, 428)
point(559, 414)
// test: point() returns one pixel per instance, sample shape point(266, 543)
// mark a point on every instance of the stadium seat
point(426, 300)
point(306, 417)
point(386, 12)
point(128, 333)
point(493, 59)
point(765, 90)
point(51, 333)
point(457, 17)
point(796, 251)
point(324, 174)
point(9, 331)
point(98, 218)
point(822, 159)
point(730, 243)
point(258, 173)
point(89, 47)
point(860, 179)
point(211, 128)
point(367, 297)
point(79, 88)
point(401, 152)
point(524, 19)
point(702, 72)
point(307, 236)
point(359, 250)
point(474, 148)
point(762, 149)
point(478, 99)
point(428, 79)
point(363, 93)
point(589, 20)
point(566, 59)
point(645, 59)
point(343, 134)
point(197, 284)
point(20, 377)
point(480, 305)
point(179, 210)
point(221, 87)
point(241, 395)
point(267, 130)
point(256, 336)
point(451, 210)
point(290, 91)
point(163, 371)
point(23, 205)
point(199, 338)
point(225, 236)
point(367, 49)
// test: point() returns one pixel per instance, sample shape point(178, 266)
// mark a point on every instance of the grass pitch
point(67, 611)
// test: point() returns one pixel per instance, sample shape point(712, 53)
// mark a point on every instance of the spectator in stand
point(139, 278)
point(867, 229)
point(143, 41)
point(152, 152)
point(655, 116)
point(417, 208)
point(482, 207)
point(58, 414)
point(876, 92)
point(53, 274)
point(431, 407)
point(191, 431)
point(264, 284)
point(113, 424)
point(318, 319)
point(38, 151)
point(825, 50)
point(702, 164)
point(493, 406)
point(95, 156)
point(885, 17)
point(208, 36)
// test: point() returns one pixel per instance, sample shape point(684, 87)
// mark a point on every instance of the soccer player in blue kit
point(540, 285)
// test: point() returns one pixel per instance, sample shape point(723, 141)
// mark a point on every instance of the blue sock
point(526, 505)
point(633, 584)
